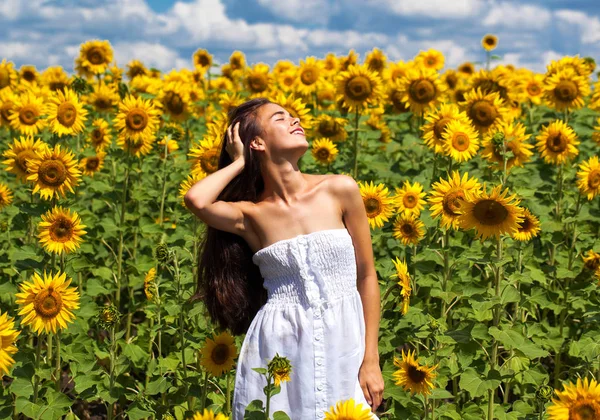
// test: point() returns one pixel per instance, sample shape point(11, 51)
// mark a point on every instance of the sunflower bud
point(123, 90)
point(108, 316)
point(173, 132)
point(168, 416)
point(161, 253)
point(434, 325)
point(498, 140)
point(3, 226)
point(280, 368)
point(80, 85)
point(544, 393)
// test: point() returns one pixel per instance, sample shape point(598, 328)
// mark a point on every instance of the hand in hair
point(234, 145)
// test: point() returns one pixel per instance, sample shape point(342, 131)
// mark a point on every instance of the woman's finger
point(229, 133)
point(237, 129)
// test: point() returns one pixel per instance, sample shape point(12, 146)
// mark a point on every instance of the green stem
point(164, 182)
point(228, 394)
point(496, 322)
point(58, 375)
point(121, 229)
point(446, 252)
point(204, 387)
point(268, 403)
point(111, 367)
point(356, 119)
point(559, 183)
point(38, 356)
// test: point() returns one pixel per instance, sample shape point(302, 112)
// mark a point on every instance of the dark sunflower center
point(490, 212)
point(28, 75)
point(28, 115)
point(236, 63)
point(137, 119)
point(220, 354)
point(323, 153)
point(440, 126)
point(328, 128)
point(416, 375)
point(460, 142)
point(136, 71)
point(108, 316)
point(557, 142)
point(566, 91)
point(102, 103)
point(21, 159)
point(376, 64)
point(47, 303)
point(6, 110)
point(409, 200)
point(52, 172)
point(483, 113)
point(594, 179)
point(96, 56)
point(57, 85)
point(4, 78)
point(490, 41)
point(97, 135)
point(525, 225)
point(358, 88)
point(309, 76)
point(407, 229)
point(534, 89)
point(453, 202)
point(585, 410)
point(452, 80)
point(203, 60)
point(466, 68)
point(61, 230)
point(373, 206)
point(210, 162)
point(174, 103)
point(422, 91)
point(92, 163)
point(396, 98)
point(258, 82)
point(66, 114)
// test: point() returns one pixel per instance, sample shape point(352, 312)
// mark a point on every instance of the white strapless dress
point(314, 317)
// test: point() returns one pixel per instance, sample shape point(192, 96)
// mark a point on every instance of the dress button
point(320, 387)
point(318, 337)
point(319, 362)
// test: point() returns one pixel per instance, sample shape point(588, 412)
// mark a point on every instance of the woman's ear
point(257, 143)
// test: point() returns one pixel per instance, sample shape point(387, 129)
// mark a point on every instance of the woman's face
point(281, 131)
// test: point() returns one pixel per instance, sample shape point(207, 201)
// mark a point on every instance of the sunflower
point(379, 206)
point(8, 336)
point(532, 84)
point(6, 196)
point(229, 101)
point(578, 401)
point(565, 90)
point(186, 184)
point(53, 171)
point(171, 146)
point(489, 42)
point(309, 75)
point(26, 112)
point(218, 354)
point(324, 151)
point(286, 80)
point(82, 71)
point(499, 80)
point(19, 153)
point(137, 119)
point(485, 110)
point(395, 94)
point(280, 368)
point(430, 59)
point(96, 55)
point(466, 68)
point(136, 68)
point(60, 231)
point(55, 77)
point(358, 87)
point(513, 135)
point(396, 70)
point(100, 137)
point(491, 214)
point(90, 165)
point(258, 79)
point(451, 78)
point(7, 102)
point(202, 60)
point(591, 260)
point(409, 198)
point(47, 302)
point(283, 66)
point(460, 140)
point(408, 228)
point(588, 176)
point(205, 155)
point(413, 377)
point(208, 415)
point(29, 74)
point(346, 61)
point(104, 98)
point(528, 228)
point(557, 142)
point(175, 98)
point(448, 197)
point(376, 60)
point(295, 106)
point(8, 75)
point(150, 287)
point(422, 89)
point(437, 120)
point(404, 282)
point(330, 127)
point(576, 63)
point(66, 114)
point(330, 63)
point(348, 410)
point(237, 60)
point(223, 83)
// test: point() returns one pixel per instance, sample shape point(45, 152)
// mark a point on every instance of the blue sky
point(164, 34)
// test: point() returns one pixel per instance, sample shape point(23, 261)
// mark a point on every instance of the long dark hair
point(229, 283)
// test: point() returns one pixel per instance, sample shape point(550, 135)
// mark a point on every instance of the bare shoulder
point(340, 184)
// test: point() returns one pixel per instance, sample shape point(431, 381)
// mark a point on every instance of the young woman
point(288, 261)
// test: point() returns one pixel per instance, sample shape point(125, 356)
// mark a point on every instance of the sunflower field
point(480, 182)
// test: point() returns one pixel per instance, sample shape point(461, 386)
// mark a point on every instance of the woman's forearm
point(206, 191)
point(370, 296)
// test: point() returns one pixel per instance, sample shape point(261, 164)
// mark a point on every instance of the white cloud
point(442, 9)
point(514, 15)
point(151, 54)
point(302, 11)
point(589, 25)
